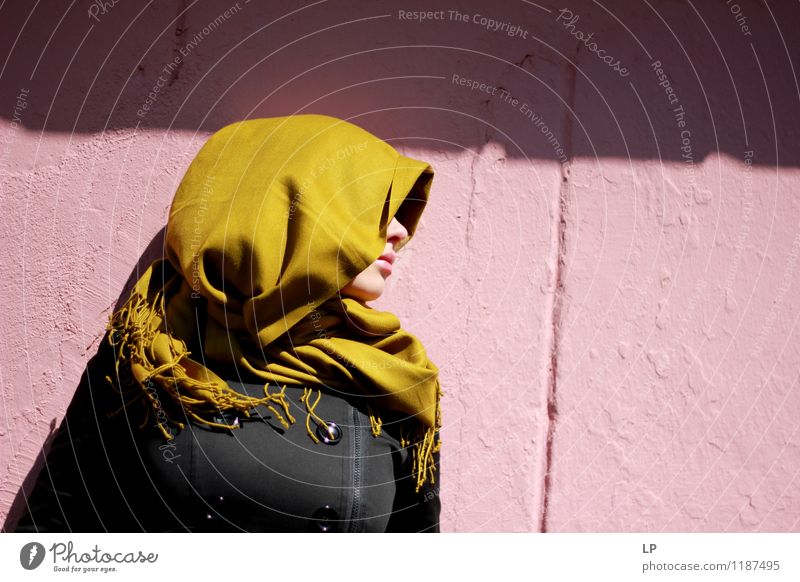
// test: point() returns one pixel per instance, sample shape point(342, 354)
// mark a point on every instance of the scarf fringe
point(132, 330)
point(310, 412)
point(425, 443)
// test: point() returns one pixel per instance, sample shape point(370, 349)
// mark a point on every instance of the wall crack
point(560, 220)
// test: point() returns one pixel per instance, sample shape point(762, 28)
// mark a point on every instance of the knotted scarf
point(272, 218)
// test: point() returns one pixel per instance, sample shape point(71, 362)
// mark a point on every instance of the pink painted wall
point(616, 334)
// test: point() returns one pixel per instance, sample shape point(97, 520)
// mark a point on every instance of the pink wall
point(617, 334)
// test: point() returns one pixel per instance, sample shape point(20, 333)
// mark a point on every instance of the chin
point(368, 286)
point(363, 294)
point(371, 296)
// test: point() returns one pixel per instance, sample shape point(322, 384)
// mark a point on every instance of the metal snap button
point(329, 433)
point(325, 518)
point(227, 416)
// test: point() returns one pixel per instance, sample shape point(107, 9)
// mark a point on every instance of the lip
point(389, 257)
point(386, 261)
point(385, 265)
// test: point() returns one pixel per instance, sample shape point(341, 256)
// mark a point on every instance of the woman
point(256, 321)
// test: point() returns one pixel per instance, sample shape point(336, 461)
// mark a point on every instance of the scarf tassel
point(131, 328)
point(425, 443)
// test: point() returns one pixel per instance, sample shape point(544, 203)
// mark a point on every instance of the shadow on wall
point(82, 402)
point(548, 82)
point(18, 507)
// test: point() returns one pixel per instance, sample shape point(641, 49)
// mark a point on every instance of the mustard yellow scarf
point(273, 217)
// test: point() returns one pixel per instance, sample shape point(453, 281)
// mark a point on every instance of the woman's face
point(369, 283)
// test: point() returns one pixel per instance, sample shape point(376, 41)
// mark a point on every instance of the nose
point(396, 234)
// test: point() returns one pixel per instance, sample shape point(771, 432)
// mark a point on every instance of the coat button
point(325, 518)
point(217, 502)
point(329, 433)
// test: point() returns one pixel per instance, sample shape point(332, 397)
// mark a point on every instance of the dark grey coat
point(106, 475)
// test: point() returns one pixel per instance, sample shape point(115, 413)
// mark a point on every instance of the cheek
point(370, 276)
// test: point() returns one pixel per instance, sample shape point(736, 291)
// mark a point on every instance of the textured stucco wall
point(616, 333)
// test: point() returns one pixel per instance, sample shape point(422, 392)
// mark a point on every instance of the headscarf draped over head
point(273, 217)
